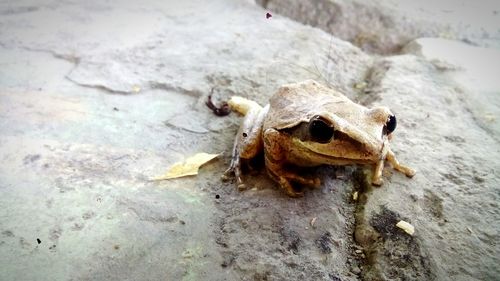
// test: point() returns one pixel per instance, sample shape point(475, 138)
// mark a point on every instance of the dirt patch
point(267, 235)
point(396, 255)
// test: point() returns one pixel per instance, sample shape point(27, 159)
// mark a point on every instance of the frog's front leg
point(391, 158)
point(377, 173)
point(409, 172)
point(248, 142)
point(275, 158)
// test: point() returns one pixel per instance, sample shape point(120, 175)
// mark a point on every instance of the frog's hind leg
point(248, 142)
point(409, 172)
point(274, 157)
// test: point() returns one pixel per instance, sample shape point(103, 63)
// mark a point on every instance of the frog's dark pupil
point(320, 131)
point(390, 126)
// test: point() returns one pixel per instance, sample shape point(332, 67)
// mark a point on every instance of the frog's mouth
point(335, 160)
point(342, 152)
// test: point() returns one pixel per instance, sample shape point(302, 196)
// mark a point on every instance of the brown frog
point(307, 124)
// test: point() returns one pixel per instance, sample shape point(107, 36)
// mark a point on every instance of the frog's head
point(357, 135)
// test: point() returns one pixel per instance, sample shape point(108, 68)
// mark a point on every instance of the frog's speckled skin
point(280, 130)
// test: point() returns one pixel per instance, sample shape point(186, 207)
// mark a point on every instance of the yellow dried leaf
point(187, 168)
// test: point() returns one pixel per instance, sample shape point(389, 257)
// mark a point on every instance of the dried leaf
point(187, 168)
point(407, 227)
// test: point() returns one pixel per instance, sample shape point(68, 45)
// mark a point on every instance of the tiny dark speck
point(245, 135)
point(217, 196)
point(268, 15)
point(38, 240)
point(115, 109)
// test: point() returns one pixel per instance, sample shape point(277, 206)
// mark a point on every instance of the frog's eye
point(320, 130)
point(390, 125)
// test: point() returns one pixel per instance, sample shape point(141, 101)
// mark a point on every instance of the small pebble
point(313, 222)
point(355, 269)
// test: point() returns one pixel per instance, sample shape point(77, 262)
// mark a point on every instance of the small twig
point(222, 110)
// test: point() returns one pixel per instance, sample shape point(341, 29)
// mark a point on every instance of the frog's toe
point(290, 191)
point(295, 194)
point(225, 177)
point(410, 172)
point(227, 174)
point(313, 183)
point(242, 186)
point(377, 181)
point(316, 182)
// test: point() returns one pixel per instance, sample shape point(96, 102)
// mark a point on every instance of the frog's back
point(298, 102)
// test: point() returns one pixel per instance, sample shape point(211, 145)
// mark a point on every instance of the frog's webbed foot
point(409, 172)
point(285, 178)
point(287, 186)
point(314, 182)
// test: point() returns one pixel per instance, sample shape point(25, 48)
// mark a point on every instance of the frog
point(308, 124)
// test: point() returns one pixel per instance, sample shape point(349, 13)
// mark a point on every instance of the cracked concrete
point(97, 98)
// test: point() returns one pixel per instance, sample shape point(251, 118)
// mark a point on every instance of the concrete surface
point(96, 98)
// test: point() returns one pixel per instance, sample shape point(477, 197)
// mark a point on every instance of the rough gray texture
point(147, 47)
point(384, 27)
point(96, 98)
point(91, 109)
point(452, 201)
